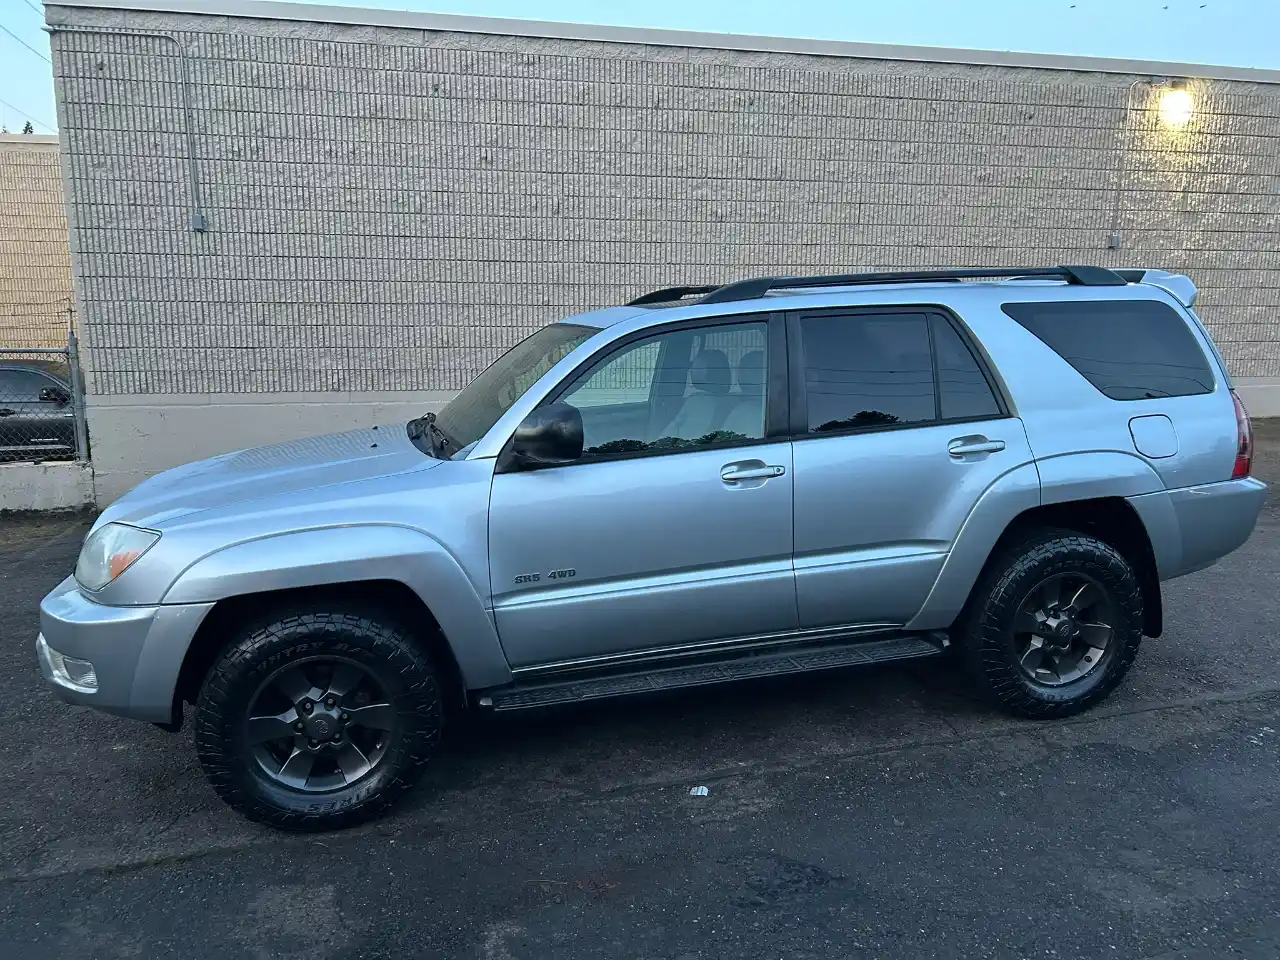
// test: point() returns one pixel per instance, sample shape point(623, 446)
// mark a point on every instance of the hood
point(269, 471)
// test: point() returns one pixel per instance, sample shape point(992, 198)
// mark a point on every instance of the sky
point(1228, 32)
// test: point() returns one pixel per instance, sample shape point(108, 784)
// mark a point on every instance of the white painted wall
point(149, 434)
point(1261, 395)
point(45, 486)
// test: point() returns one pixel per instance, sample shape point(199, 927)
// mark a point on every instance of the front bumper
point(136, 652)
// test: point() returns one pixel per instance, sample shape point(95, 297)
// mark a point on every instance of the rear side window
point(1128, 349)
point(963, 390)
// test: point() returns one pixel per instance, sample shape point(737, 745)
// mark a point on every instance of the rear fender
point(1088, 476)
point(334, 555)
point(1082, 476)
point(1012, 494)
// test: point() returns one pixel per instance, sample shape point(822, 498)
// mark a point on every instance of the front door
point(675, 526)
point(898, 431)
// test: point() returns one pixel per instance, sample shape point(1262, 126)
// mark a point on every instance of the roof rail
point(671, 293)
point(757, 287)
point(754, 289)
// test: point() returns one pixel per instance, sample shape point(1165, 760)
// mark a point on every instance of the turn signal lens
point(120, 562)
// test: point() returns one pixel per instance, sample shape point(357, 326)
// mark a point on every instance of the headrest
point(710, 372)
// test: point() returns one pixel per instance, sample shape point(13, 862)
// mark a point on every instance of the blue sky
point(1233, 32)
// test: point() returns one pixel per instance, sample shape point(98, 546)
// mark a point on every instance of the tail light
point(1244, 441)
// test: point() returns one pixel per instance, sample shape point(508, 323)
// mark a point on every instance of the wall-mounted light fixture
point(1177, 105)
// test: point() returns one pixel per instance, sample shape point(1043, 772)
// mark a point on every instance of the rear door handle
point(732, 472)
point(968, 446)
point(6, 412)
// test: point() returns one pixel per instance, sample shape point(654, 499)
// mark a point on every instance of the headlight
point(110, 551)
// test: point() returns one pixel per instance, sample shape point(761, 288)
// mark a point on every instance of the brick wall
point(35, 262)
point(387, 208)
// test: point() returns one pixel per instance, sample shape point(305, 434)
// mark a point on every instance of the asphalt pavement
point(877, 814)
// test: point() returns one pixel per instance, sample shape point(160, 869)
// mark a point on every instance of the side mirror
point(549, 435)
point(54, 395)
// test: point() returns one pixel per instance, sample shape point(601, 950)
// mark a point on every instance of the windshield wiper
point(425, 426)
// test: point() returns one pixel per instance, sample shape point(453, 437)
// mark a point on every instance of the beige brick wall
point(389, 208)
point(35, 261)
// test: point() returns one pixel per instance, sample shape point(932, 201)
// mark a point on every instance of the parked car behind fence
point(37, 416)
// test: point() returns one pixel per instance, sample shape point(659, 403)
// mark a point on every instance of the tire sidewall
point(405, 673)
point(992, 643)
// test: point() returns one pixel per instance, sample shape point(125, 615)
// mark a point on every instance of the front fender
point(332, 555)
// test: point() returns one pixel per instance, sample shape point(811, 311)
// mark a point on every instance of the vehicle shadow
point(666, 739)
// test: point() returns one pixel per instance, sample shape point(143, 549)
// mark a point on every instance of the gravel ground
point(877, 814)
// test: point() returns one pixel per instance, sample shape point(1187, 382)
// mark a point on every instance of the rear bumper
point(136, 652)
point(1194, 527)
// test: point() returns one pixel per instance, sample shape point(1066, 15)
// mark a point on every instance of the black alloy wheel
point(319, 718)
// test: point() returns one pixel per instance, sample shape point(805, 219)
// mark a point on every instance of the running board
point(829, 656)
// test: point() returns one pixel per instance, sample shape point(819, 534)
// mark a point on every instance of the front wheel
point(317, 719)
point(1054, 625)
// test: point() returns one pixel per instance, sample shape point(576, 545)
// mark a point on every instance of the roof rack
point(755, 288)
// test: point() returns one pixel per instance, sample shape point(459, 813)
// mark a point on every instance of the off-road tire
point(264, 647)
point(985, 637)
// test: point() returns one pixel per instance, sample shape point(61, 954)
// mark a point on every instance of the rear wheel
point(318, 719)
point(1054, 625)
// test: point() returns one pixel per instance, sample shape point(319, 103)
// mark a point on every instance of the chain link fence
point(42, 404)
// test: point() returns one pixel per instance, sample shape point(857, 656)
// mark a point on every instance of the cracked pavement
point(874, 814)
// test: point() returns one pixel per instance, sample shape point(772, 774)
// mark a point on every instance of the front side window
point(21, 386)
point(468, 416)
point(1128, 349)
point(685, 389)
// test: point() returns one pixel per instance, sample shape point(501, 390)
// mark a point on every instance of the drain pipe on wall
point(198, 222)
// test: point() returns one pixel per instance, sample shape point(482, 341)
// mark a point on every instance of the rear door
point(897, 431)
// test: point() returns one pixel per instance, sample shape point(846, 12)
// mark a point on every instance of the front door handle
point(733, 472)
point(6, 412)
point(968, 446)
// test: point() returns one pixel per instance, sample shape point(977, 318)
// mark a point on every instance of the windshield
point(469, 415)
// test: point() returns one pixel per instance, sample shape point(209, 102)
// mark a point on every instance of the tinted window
point(22, 385)
point(964, 391)
point(867, 370)
point(1128, 349)
point(675, 391)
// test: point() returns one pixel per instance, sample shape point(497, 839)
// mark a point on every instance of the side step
point(752, 666)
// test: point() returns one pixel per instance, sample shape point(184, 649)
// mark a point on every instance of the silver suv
point(708, 484)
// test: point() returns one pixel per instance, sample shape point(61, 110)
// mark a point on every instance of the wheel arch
point(1112, 520)
point(1079, 491)
point(403, 570)
point(386, 598)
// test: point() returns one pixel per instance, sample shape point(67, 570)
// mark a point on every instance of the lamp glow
point(1177, 106)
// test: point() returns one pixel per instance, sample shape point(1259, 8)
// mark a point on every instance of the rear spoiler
point(1177, 285)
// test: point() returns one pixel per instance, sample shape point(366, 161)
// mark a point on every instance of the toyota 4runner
point(708, 484)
